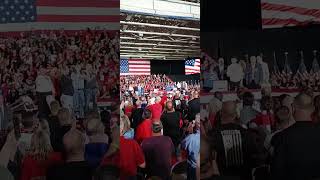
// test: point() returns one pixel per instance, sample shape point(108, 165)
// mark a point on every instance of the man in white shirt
point(44, 88)
point(235, 73)
point(78, 78)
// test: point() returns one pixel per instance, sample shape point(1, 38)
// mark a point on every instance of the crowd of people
point(51, 82)
point(253, 73)
point(74, 68)
point(159, 128)
point(278, 140)
point(299, 80)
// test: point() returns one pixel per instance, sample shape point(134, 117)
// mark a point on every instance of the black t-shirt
point(296, 152)
point(158, 151)
point(57, 138)
point(171, 126)
point(248, 148)
point(221, 178)
point(136, 117)
point(71, 170)
point(194, 108)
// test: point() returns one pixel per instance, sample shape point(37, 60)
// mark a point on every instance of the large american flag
point(25, 15)
point(134, 67)
point(192, 66)
point(281, 13)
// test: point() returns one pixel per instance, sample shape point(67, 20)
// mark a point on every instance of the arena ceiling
point(158, 37)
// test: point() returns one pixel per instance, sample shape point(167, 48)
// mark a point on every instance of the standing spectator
point(78, 85)
point(265, 119)
point(156, 109)
point(44, 88)
point(296, 153)
point(75, 166)
point(98, 142)
point(65, 122)
point(171, 126)
point(136, 115)
point(131, 156)
point(144, 129)
point(67, 90)
point(53, 119)
point(40, 157)
point(248, 113)
point(228, 137)
point(194, 106)
point(158, 151)
point(192, 145)
point(90, 88)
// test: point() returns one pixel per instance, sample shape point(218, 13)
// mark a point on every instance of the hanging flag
point(302, 67)
point(24, 15)
point(275, 64)
point(315, 65)
point(192, 66)
point(282, 13)
point(287, 68)
point(134, 67)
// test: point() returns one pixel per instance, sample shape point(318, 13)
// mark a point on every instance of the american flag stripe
point(276, 13)
point(192, 66)
point(80, 3)
point(70, 15)
point(135, 67)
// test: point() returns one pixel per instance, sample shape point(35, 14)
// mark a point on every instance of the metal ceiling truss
point(154, 37)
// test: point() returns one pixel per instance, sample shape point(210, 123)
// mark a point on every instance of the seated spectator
point(75, 166)
point(158, 151)
point(40, 156)
point(131, 155)
point(144, 129)
point(98, 142)
point(192, 145)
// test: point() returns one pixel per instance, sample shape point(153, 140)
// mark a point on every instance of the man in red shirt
point(156, 109)
point(144, 130)
point(131, 155)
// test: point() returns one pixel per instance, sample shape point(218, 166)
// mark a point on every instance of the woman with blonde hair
point(40, 156)
point(128, 131)
point(214, 107)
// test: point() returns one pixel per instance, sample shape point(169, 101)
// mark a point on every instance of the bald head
point(229, 107)
point(303, 102)
point(74, 142)
point(229, 112)
point(303, 107)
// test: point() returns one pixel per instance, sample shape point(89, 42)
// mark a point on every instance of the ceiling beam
point(157, 44)
point(169, 49)
point(159, 40)
point(160, 26)
point(161, 34)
